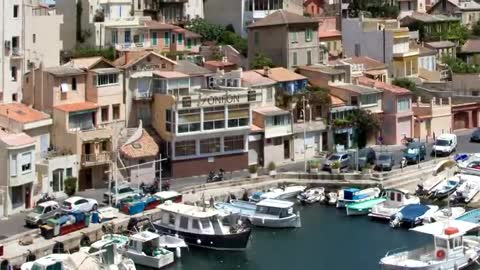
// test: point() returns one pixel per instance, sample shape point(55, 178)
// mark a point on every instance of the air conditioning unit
point(7, 44)
point(212, 82)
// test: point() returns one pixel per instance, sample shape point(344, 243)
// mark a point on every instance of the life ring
point(440, 254)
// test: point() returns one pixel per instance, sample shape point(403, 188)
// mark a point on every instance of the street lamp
point(304, 112)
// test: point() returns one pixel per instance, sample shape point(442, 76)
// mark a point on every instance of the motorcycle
point(149, 189)
point(407, 140)
point(45, 198)
point(166, 185)
point(403, 163)
point(212, 177)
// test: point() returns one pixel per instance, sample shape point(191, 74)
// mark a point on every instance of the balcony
point(17, 53)
point(96, 159)
point(410, 52)
point(138, 95)
point(132, 45)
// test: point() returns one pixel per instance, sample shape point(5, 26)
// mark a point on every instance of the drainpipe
point(384, 53)
point(3, 50)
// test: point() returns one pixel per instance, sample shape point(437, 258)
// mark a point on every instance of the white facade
point(194, 9)
point(52, 173)
point(428, 62)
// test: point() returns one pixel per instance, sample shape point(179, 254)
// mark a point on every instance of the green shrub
point(70, 186)
point(253, 168)
point(271, 166)
point(336, 165)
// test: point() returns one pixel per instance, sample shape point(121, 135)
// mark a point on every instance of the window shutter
point(13, 165)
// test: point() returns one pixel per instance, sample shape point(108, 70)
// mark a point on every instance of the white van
point(445, 144)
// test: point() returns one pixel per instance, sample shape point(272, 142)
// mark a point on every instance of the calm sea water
point(328, 239)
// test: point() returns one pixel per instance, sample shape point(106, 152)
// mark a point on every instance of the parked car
point(445, 145)
point(77, 203)
point(384, 162)
point(42, 212)
point(366, 156)
point(343, 158)
point(415, 152)
point(475, 136)
point(123, 191)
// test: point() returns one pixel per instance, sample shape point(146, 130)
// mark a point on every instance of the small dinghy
point(446, 214)
point(363, 208)
point(469, 187)
point(312, 195)
point(331, 198)
point(445, 188)
point(412, 215)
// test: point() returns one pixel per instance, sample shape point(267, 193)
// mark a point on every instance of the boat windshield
point(442, 142)
point(93, 250)
point(36, 266)
point(441, 243)
point(412, 151)
point(39, 209)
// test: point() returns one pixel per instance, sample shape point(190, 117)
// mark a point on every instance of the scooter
point(45, 198)
point(150, 189)
point(212, 177)
point(403, 163)
point(166, 185)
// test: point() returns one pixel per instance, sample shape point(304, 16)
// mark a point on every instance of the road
point(15, 224)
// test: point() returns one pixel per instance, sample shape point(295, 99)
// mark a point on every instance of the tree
point(260, 61)
point(458, 66)
point(239, 43)
point(405, 83)
point(476, 29)
point(365, 123)
point(107, 53)
point(373, 8)
point(208, 31)
point(70, 186)
point(456, 32)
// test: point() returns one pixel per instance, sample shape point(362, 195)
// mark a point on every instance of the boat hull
point(153, 262)
point(288, 222)
point(355, 212)
point(461, 263)
point(234, 241)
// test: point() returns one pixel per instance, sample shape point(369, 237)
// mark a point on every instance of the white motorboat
point(412, 215)
point(445, 188)
point(331, 198)
point(396, 200)
point(312, 195)
point(469, 187)
point(266, 213)
point(451, 249)
point(355, 195)
point(283, 193)
point(144, 249)
point(101, 255)
point(446, 214)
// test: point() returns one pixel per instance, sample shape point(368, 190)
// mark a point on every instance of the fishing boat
point(467, 189)
point(256, 196)
point(472, 216)
point(451, 249)
point(470, 165)
point(412, 215)
point(202, 227)
point(395, 200)
point(446, 214)
point(312, 195)
point(266, 213)
point(354, 195)
point(363, 208)
point(144, 249)
point(283, 193)
point(101, 255)
point(445, 188)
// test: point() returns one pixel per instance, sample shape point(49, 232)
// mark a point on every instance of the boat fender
point(440, 254)
point(199, 241)
point(178, 252)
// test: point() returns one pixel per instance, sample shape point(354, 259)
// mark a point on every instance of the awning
point(140, 74)
point(438, 228)
point(106, 70)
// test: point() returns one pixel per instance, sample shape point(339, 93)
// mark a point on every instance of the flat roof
point(75, 107)
point(440, 44)
point(64, 71)
point(359, 89)
point(170, 74)
point(22, 113)
point(271, 111)
point(324, 69)
point(188, 210)
point(16, 139)
point(281, 74)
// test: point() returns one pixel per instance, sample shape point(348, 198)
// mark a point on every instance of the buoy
point(451, 230)
point(199, 241)
point(178, 252)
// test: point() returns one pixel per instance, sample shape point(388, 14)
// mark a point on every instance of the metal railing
point(96, 158)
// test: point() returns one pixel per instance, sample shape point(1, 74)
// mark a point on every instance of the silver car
point(384, 162)
point(42, 213)
point(343, 158)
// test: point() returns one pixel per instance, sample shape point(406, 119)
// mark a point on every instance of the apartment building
point(290, 40)
point(241, 13)
point(467, 10)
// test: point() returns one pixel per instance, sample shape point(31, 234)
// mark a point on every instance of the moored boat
point(144, 249)
point(472, 216)
point(283, 193)
point(412, 215)
point(446, 214)
point(445, 188)
point(266, 213)
point(467, 189)
point(395, 200)
point(312, 195)
point(363, 208)
point(202, 227)
point(354, 195)
point(331, 198)
point(451, 249)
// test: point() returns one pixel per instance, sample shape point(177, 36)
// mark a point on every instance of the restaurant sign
point(217, 100)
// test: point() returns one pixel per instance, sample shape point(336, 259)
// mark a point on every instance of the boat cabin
point(395, 197)
point(146, 242)
point(104, 251)
point(277, 208)
point(192, 219)
point(48, 263)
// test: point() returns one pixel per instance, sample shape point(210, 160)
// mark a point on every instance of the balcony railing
point(17, 52)
point(142, 95)
point(95, 159)
point(132, 45)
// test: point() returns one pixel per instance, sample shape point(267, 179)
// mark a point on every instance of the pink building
point(397, 110)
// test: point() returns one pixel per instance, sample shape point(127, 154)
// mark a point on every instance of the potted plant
point(272, 168)
point(70, 186)
point(335, 167)
point(367, 169)
point(314, 165)
point(253, 169)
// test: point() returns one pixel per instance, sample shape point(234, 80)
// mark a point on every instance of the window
point(114, 36)
point(309, 57)
point(403, 104)
point(107, 79)
point(74, 83)
point(26, 162)
point(357, 50)
point(369, 99)
point(185, 148)
point(13, 71)
point(139, 4)
point(238, 115)
point(269, 94)
point(308, 35)
point(475, 93)
point(205, 223)
point(69, 172)
point(180, 38)
point(13, 165)
point(278, 141)
point(80, 120)
point(294, 59)
point(57, 180)
point(104, 113)
point(233, 143)
point(15, 11)
point(169, 121)
point(14, 97)
point(194, 42)
point(293, 37)
point(209, 146)
point(34, 38)
point(104, 146)
point(166, 38)
point(183, 222)
point(188, 120)
point(127, 36)
point(257, 38)
point(17, 196)
point(354, 100)
point(189, 43)
point(195, 224)
point(116, 111)
point(278, 120)
point(154, 38)
point(214, 118)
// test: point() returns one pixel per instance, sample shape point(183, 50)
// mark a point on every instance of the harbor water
point(328, 239)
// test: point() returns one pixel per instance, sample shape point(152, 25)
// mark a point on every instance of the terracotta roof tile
point(336, 101)
point(129, 58)
point(217, 63)
point(281, 74)
point(328, 28)
point(170, 74)
point(282, 17)
point(22, 113)
point(75, 107)
point(85, 62)
point(143, 147)
point(16, 139)
point(384, 86)
point(471, 46)
point(252, 78)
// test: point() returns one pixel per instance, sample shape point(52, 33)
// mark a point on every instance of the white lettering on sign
point(214, 100)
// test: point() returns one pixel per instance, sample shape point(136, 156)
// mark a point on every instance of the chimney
point(266, 71)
